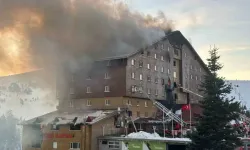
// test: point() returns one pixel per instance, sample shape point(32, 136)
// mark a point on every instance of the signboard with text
point(135, 145)
point(57, 135)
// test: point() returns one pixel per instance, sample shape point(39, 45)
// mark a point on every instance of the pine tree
point(213, 130)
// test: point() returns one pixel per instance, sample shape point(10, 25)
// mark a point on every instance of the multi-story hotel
point(92, 101)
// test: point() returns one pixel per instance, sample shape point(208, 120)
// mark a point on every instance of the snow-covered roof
point(77, 117)
point(154, 136)
point(144, 136)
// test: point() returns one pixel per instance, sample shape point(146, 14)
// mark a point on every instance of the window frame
point(106, 88)
point(89, 103)
point(132, 62)
point(116, 145)
point(72, 145)
point(88, 89)
point(107, 102)
point(54, 145)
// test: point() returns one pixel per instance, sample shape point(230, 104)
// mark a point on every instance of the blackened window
point(149, 78)
point(140, 63)
point(174, 63)
point(148, 53)
point(156, 80)
point(162, 81)
point(75, 127)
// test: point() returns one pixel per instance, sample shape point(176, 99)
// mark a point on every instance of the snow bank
point(154, 136)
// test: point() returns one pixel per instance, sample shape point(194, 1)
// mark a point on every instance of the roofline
point(35, 70)
point(194, 51)
point(115, 112)
point(163, 38)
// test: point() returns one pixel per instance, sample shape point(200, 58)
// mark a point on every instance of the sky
point(223, 23)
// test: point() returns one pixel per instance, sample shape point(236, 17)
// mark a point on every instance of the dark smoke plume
point(75, 31)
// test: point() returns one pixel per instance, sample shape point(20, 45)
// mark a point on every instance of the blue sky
point(225, 23)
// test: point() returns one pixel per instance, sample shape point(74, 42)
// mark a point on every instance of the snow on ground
point(155, 136)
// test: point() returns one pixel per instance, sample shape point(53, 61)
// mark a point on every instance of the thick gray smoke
point(75, 31)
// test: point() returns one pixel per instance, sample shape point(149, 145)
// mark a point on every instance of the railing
point(168, 112)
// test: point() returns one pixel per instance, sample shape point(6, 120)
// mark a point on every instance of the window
point(162, 81)
point(149, 91)
point(140, 63)
point(129, 102)
point(88, 102)
point(138, 104)
point(146, 114)
point(162, 58)
point(191, 76)
point(132, 62)
point(107, 102)
point(191, 67)
point(168, 71)
point(138, 114)
point(155, 56)
point(114, 145)
point(200, 69)
point(75, 145)
point(107, 89)
point(162, 69)
point(88, 77)
point(72, 90)
point(162, 46)
point(106, 76)
point(146, 104)
point(149, 78)
point(148, 53)
point(176, 52)
point(175, 76)
point(133, 89)
point(140, 89)
point(108, 63)
point(75, 127)
point(148, 66)
point(155, 68)
point(174, 63)
point(54, 127)
point(140, 76)
point(168, 48)
point(196, 78)
point(54, 145)
point(185, 54)
point(88, 90)
point(156, 80)
point(71, 104)
point(133, 75)
point(156, 92)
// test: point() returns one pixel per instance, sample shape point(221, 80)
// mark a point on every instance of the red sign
point(57, 135)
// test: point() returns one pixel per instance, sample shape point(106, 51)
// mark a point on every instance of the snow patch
point(154, 136)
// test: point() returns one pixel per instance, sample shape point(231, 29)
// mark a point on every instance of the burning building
point(130, 82)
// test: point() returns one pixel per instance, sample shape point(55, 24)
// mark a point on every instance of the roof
point(144, 136)
point(175, 36)
point(76, 117)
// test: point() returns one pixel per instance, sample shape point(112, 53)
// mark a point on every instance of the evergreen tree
point(213, 130)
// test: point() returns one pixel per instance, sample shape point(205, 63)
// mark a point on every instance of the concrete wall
point(137, 105)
